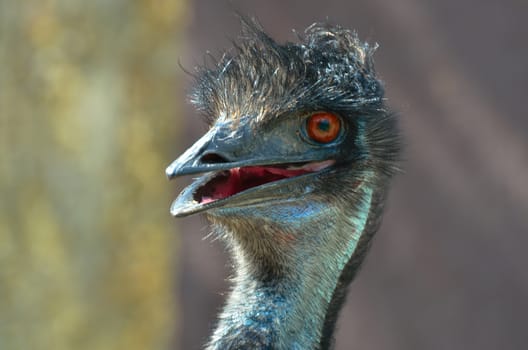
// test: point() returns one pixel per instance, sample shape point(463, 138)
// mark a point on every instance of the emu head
point(299, 149)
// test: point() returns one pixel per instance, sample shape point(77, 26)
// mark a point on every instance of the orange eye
point(323, 127)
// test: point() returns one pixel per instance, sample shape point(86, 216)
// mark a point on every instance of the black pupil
point(324, 125)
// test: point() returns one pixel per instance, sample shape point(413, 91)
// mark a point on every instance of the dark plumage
point(296, 212)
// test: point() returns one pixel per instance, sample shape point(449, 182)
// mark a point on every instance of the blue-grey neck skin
point(289, 259)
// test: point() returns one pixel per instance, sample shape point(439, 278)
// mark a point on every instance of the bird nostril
point(212, 158)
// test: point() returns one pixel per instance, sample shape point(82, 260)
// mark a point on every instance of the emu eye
point(323, 127)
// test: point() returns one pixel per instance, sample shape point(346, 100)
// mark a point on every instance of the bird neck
point(287, 296)
point(271, 315)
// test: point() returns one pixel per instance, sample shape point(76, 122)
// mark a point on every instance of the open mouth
point(233, 181)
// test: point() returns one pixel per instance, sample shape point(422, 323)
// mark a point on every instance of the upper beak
point(223, 148)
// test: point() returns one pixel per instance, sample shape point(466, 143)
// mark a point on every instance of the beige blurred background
point(92, 109)
point(89, 111)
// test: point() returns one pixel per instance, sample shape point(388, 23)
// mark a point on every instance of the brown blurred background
point(449, 268)
point(92, 109)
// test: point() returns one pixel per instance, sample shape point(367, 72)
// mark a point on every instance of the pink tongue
point(282, 172)
point(206, 200)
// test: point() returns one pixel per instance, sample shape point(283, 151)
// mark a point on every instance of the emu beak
point(241, 168)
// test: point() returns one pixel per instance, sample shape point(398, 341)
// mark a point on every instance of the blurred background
point(93, 107)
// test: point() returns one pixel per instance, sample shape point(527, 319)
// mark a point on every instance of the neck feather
point(289, 297)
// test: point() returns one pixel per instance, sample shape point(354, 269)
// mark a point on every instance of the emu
point(294, 173)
